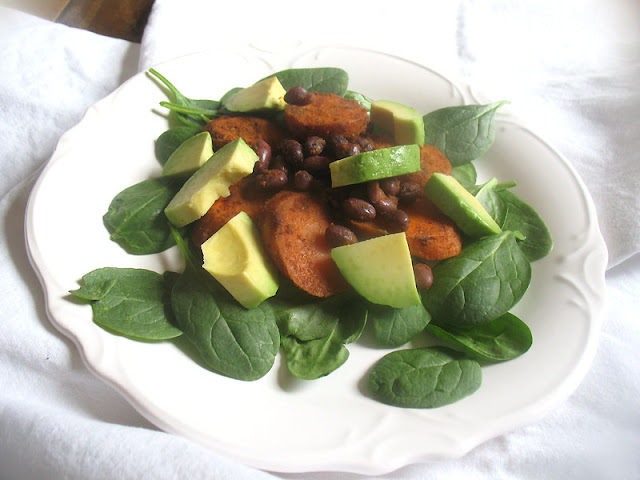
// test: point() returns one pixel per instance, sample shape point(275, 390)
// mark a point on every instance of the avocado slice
point(460, 206)
point(267, 94)
point(380, 270)
point(228, 165)
point(235, 256)
point(189, 156)
point(376, 164)
point(405, 123)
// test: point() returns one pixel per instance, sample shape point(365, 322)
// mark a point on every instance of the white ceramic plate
point(279, 423)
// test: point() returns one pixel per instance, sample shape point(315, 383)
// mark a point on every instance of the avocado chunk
point(189, 156)
point(374, 165)
point(460, 206)
point(211, 181)
point(380, 270)
point(267, 94)
point(235, 256)
point(403, 122)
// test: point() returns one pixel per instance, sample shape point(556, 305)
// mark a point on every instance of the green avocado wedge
point(405, 123)
point(374, 165)
point(189, 156)
point(460, 206)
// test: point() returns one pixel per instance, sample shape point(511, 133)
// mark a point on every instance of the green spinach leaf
point(502, 339)
point(314, 334)
point(483, 282)
point(512, 213)
point(323, 80)
point(465, 174)
point(135, 218)
point(424, 377)
point(462, 133)
point(171, 139)
point(360, 98)
point(191, 112)
point(130, 302)
point(393, 327)
point(230, 339)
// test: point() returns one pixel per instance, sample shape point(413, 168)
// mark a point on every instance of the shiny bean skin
point(423, 275)
point(344, 150)
point(374, 192)
point(263, 150)
point(337, 236)
point(365, 144)
point(272, 179)
point(397, 220)
point(297, 95)
point(386, 205)
point(292, 152)
point(390, 186)
point(358, 209)
point(302, 180)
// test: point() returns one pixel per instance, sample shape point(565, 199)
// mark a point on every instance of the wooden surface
point(124, 19)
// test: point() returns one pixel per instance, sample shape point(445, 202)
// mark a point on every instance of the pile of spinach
point(466, 310)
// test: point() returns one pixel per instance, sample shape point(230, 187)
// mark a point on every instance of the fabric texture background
point(570, 70)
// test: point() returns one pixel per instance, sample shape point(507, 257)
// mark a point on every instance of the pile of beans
point(304, 164)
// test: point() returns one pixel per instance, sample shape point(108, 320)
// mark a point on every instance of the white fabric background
point(570, 69)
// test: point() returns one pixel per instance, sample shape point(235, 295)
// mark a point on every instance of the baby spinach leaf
point(323, 79)
point(230, 339)
point(424, 377)
point(314, 334)
point(130, 302)
point(393, 327)
point(191, 112)
point(135, 218)
point(502, 339)
point(483, 282)
point(360, 98)
point(512, 213)
point(463, 133)
point(465, 174)
point(171, 139)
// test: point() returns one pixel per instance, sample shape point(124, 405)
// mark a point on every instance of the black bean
point(297, 95)
point(423, 275)
point(263, 150)
point(344, 150)
point(278, 163)
point(334, 140)
point(272, 179)
point(397, 220)
point(302, 180)
point(337, 235)
point(408, 192)
point(386, 205)
point(316, 163)
point(314, 145)
point(292, 152)
point(358, 209)
point(390, 185)
point(366, 145)
point(374, 192)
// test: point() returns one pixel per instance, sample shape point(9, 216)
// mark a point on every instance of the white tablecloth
point(571, 70)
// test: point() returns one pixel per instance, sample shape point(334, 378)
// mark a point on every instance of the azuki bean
point(408, 192)
point(314, 145)
point(292, 152)
point(397, 220)
point(337, 236)
point(423, 275)
point(297, 95)
point(390, 185)
point(272, 179)
point(263, 150)
point(316, 163)
point(358, 209)
point(302, 180)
